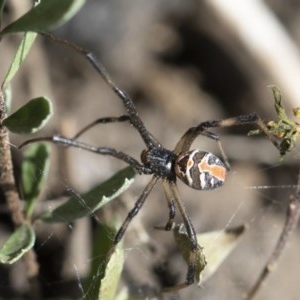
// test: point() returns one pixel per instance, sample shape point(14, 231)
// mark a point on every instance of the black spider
point(198, 169)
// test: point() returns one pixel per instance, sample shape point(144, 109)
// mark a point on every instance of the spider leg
point(189, 136)
point(216, 138)
point(135, 120)
point(61, 140)
point(133, 212)
point(171, 189)
point(104, 120)
point(172, 209)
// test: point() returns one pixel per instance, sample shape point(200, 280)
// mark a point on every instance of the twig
point(7, 180)
point(8, 186)
point(292, 218)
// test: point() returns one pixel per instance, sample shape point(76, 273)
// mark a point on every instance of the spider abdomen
point(200, 170)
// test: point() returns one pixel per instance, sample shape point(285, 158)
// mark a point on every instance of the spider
point(200, 170)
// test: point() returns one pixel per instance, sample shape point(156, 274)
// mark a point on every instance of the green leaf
point(123, 294)
point(217, 245)
point(183, 242)
point(19, 57)
point(105, 273)
point(296, 112)
point(285, 129)
point(8, 97)
point(17, 244)
point(110, 282)
point(2, 3)
point(35, 167)
point(79, 206)
point(30, 117)
point(46, 16)
point(278, 105)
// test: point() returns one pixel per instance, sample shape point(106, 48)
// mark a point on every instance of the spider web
point(174, 87)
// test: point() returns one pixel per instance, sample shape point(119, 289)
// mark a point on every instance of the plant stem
point(8, 186)
point(7, 180)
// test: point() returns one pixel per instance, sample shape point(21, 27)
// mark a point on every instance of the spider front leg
point(216, 138)
point(105, 120)
point(135, 120)
point(61, 140)
point(188, 138)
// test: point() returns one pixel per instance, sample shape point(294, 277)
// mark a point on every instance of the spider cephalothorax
point(198, 169)
point(161, 161)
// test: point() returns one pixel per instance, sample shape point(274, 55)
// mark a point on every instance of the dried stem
point(8, 186)
point(7, 180)
point(292, 218)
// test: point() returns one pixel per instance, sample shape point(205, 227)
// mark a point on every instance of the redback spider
point(198, 169)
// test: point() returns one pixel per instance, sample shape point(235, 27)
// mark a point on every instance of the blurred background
point(182, 62)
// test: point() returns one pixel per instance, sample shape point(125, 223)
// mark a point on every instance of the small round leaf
point(30, 117)
point(17, 244)
point(35, 166)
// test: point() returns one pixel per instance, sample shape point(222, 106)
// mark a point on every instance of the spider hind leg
point(172, 193)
